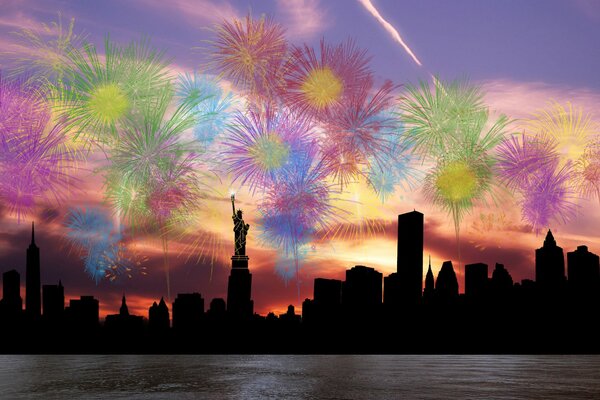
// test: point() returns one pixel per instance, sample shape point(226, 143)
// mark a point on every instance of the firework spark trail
point(389, 28)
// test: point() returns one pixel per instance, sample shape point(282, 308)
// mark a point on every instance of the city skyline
point(553, 311)
point(449, 40)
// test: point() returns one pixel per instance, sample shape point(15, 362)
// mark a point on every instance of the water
point(299, 377)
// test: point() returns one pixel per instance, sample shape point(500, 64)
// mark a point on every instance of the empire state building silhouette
point(32, 279)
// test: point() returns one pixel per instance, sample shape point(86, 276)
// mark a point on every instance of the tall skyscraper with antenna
point(33, 300)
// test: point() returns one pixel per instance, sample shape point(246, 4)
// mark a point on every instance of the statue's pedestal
point(239, 262)
point(239, 289)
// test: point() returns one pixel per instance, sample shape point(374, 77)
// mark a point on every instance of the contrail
point(388, 27)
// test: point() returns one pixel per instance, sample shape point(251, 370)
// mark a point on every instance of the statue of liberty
point(240, 229)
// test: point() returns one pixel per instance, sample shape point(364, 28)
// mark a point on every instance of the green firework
point(101, 92)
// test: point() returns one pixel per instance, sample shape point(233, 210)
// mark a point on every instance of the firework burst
point(35, 161)
point(44, 57)
point(250, 53)
point(587, 171)
point(437, 119)
point(262, 143)
point(568, 126)
point(102, 92)
point(360, 132)
point(315, 84)
point(531, 168)
point(214, 107)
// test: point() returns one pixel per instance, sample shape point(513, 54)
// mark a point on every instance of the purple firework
point(519, 160)
point(262, 143)
point(548, 195)
point(35, 160)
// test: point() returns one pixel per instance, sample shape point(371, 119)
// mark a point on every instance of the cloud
point(303, 18)
point(521, 99)
point(196, 11)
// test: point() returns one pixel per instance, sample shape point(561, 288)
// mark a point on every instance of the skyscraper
point(584, 271)
point(446, 284)
point(362, 289)
point(410, 256)
point(550, 265)
point(476, 280)
point(53, 298)
point(33, 301)
point(12, 303)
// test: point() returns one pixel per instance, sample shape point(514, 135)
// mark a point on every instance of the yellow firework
point(569, 125)
point(322, 88)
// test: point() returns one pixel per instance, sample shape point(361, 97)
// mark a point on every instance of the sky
point(523, 55)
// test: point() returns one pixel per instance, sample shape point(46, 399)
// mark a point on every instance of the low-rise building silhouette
point(12, 303)
point(158, 317)
point(584, 272)
point(446, 284)
point(53, 299)
point(188, 312)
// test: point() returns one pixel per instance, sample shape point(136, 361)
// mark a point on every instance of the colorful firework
point(315, 84)
point(35, 162)
point(262, 143)
point(44, 57)
point(568, 126)
point(214, 107)
point(519, 160)
point(153, 173)
point(122, 262)
point(250, 53)
point(531, 168)
point(103, 91)
point(360, 132)
point(451, 127)
point(587, 171)
point(295, 208)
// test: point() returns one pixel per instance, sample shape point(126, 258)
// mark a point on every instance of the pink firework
point(250, 53)
point(35, 160)
point(360, 132)
point(261, 144)
point(317, 83)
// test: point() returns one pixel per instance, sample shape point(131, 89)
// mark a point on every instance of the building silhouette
point(124, 323)
point(188, 312)
point(584, 271)
point(429, 291)
point(83, 312)
point(409, 262)
point(476, 280)
point(53, 299)
point(361, 292)
point(12, 303)
point(33, 301)
point(550, 266)
point(446, 284)
point(501, 283)
point(343, 316)
point(158, 317)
